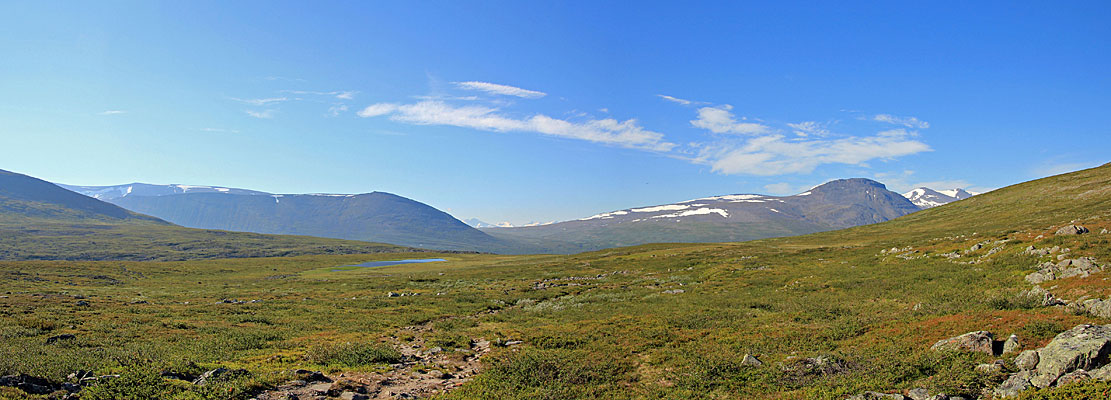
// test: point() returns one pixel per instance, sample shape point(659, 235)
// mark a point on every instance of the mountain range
point(374, 217)
point(388, 218)
point(40, 220)
point(738, 217)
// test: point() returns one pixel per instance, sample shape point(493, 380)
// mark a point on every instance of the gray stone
point(1011, 345)
point(1074, 376)
point(989, 368)
point(1014, 385)
point(58, 338)
point(1103, 232)
point(353, 396)
point(918, 394)
point(751, 361)
point(1102, 373)
point(877, 396)
point(1027, 360)
point(1081, 347)
point(979, 341)
point(393, 294)
point(1072, 230)
point(975, 247)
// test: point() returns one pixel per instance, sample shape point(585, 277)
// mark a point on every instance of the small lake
point(372, 264)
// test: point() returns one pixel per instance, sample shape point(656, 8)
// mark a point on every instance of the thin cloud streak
point(505, 90)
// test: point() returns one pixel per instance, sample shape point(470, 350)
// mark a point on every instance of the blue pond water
point(372, 264)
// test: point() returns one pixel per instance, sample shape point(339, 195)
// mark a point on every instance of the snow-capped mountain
point(927, 198)
point(834, 205)
point(108, 193)
point(477, 223)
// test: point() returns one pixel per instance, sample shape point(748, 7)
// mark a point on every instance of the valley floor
point(659, 321)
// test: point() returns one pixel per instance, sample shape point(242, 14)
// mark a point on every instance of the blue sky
point(522, 111)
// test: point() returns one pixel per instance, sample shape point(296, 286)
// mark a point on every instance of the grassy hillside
point(828, 315)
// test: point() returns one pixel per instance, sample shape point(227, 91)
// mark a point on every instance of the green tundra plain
point(672, 321)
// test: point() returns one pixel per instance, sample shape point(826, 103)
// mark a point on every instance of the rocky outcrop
point(751, 361)
point(979, 341)
point(1068, 268)
point(1072, 230)
point(1077, 354)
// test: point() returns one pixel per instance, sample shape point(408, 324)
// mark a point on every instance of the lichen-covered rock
point(1074, 376)
point(1082, 347)
point(877, 396)
point(1102, 373)
point(1027, 360)
point(1072, 230)
point(979, 341)
point(1011, 345)
point(1014, 385)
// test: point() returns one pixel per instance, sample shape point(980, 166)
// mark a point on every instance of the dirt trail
point(422, 373)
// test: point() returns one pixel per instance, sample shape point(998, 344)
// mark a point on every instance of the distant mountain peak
point(925, 197)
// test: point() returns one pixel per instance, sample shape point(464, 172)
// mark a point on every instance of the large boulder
point(979, 341)
point(1082, 347)
point(1072, 230)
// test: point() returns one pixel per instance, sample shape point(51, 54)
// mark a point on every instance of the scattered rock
point(919, 394)
point(353, 396)
point(975, 247)
point(1034, 251)
point(1103, 232)
point(1044, 297)
point(877, 396)
point(82, 303)
point(29, 384)
point(1014, 385)
point(218, 374)
point(56, 338)
point(751, 361)
point(1027, 360)
point(1072, 230)
point(1011, 345)
point(989, 368)
point(1066, 268)
point(979, 341)
point(392, 294)
point(1074, 376)
point(674, 291)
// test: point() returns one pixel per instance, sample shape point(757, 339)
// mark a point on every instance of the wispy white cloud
point(113, 112)
point(721, 120)
point(626, 133)
point(261, 102)
point(773, 154)
point(338, 94)
point(675, 99)
point(264, 114)
point(809, 128)
point(909, 122)
point(505, 90)
point(335, 111)
point(783, 188)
